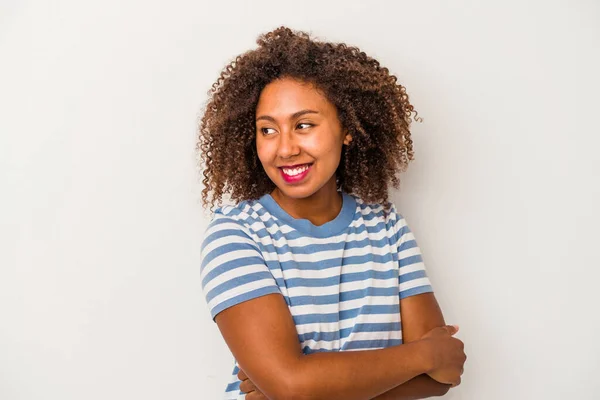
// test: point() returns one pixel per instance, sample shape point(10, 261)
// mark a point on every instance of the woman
point(313, 278)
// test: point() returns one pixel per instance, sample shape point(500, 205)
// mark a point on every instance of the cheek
point(324, 150)
point(262, 151)
point(260, 155)
point(267, 155)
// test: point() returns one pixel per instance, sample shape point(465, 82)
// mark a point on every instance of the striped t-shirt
point(342, 281)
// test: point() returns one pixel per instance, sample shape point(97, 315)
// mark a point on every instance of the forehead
point(285, 96)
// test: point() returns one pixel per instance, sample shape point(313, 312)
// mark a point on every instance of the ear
point(347, 139)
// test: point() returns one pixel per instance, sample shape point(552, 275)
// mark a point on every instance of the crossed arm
point(267, 351)
point(420, 314)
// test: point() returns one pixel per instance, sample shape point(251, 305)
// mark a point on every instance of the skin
point(283, 138)
point(313, 137)
point(421, 315)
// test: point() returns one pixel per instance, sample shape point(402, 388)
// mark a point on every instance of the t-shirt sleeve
point(412, 275)
point(233, 269)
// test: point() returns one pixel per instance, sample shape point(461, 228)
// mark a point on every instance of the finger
point(457, 382)
point(256, 395)
point(243, 387)
point(242, 375)
point(247, 386)
point(451, 329)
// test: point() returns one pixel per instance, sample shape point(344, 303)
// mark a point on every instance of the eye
point(305, 123)
point(262, 130)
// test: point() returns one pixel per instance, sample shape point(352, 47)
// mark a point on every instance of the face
point(298, 137)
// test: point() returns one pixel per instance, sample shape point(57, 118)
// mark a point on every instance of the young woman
point(314, 279)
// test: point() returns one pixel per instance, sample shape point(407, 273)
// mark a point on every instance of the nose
point(288, 147)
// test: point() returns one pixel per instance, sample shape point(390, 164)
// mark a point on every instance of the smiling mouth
point(291, 171)
point(295, 174)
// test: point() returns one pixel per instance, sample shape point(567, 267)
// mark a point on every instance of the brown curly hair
point(370, 104)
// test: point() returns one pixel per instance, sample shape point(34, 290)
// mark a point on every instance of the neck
point(319, 208)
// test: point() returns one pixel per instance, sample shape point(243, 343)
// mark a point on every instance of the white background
point(101, 221)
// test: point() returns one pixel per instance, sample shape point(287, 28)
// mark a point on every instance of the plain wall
point(101, 220)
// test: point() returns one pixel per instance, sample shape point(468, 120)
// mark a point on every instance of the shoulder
point(243, 211)
point(232, 220)
point(243, 214)
point(383, 216)
point(385, 211)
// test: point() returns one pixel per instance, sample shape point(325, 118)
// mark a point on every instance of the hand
point(448, 354)
point(248, 387)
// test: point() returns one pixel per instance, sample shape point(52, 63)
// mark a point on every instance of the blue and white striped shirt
point(342, 281)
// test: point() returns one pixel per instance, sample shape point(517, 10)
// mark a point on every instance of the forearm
point(420, 387)
point(358, 375)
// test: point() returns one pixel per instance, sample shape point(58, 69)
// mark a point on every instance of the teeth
point(295, 171)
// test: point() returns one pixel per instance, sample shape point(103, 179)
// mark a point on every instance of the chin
point(295, 193)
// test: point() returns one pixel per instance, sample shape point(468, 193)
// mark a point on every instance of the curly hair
point(371, 105)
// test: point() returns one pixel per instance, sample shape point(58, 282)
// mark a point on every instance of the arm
point(417, 388)
point(420, 314)
point(245, 302)
point(267, 350)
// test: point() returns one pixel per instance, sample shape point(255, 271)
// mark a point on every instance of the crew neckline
point(335, 226)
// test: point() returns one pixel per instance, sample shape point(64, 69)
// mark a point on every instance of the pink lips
point(295, 178)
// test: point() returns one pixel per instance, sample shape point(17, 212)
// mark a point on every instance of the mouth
point(295, 174)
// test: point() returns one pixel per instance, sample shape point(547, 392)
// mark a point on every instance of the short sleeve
point(233, 269)
point(412, 276)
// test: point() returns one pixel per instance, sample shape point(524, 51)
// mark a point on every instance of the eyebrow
point(293, 116)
